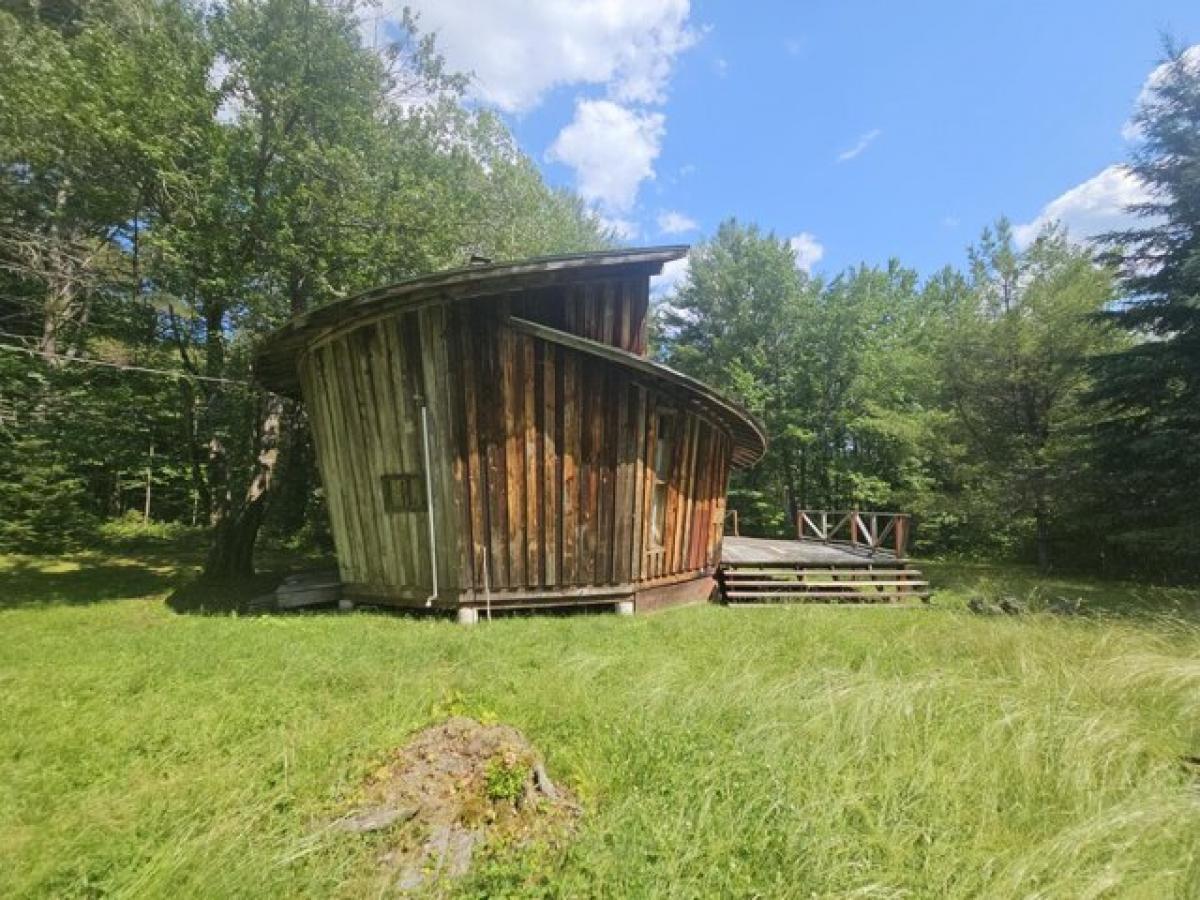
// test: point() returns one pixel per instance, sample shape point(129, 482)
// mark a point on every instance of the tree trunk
point(1042, 537)
point(231, 554)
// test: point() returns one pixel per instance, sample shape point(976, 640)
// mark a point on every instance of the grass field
point(793, 752)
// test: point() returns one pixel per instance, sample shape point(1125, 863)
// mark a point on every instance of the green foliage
point(1013, 362)
point(132, 528)
point(1150, 439)
point(960, 400)
point(506, 776)
point(40, 497)
point(775, 753)
point(455, 703)
point(177, 178)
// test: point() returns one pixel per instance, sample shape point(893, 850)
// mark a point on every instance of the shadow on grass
point(247, 596)
point(80, 581)
point(140, 569)
point(201, 597)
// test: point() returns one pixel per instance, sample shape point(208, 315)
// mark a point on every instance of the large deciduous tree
point(833, 369)
point(102, 102)
point(176, 179)
point(1014, 361)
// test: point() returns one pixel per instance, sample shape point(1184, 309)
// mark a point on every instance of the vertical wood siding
point(570, 496)
point(612, 311)
point(364, 391)
point(543, 457)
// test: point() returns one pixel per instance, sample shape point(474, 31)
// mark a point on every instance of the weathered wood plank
point(589, 477)
point(638, 483)
point(514, 455)
point(363, 345)
point(646, 561)
point(627, 475)
point(591, 311)
point(551, 466)
point(640, 316)
point(446, 515)
point(532, 480)
point(605, 468)
point(675, 492)
point(679, 529)
point(458, 449)
point(719, 511)
point(608, 312)
point(700, 529)
point(572, 441)
point(625, 297)
point(354, 415)
point(340, 470)
point(475, 477)
point(491, 411)
point(408, 333)
point(711, 501)
point(396, 423)
point(410, 387)
point(326, 439)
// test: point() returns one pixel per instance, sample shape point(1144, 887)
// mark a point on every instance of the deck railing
point(731, 515)
point(871, 531)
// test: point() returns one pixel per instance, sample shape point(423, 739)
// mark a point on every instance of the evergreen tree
point(1150, 442)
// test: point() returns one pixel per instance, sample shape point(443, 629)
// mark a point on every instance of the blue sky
point(864, 130)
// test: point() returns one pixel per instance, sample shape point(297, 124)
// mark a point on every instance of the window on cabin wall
point(663, 451)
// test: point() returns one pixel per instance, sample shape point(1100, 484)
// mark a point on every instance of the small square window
point(403, 493)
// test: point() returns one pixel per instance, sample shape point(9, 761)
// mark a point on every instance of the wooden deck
point(761, 572)
point(772, 551)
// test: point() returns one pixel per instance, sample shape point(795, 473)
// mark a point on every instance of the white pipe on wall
point(429, 503)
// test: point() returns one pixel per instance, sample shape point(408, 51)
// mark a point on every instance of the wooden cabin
point(496, 437)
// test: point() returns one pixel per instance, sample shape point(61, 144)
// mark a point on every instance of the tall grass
point(770, 752)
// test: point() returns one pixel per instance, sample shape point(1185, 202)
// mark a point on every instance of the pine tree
point(1151, 440)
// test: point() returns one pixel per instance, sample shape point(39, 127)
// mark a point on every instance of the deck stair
point(759, 583)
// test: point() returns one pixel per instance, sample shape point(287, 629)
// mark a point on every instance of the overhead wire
point(88, 361)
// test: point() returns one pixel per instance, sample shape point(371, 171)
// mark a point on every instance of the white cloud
point(674, 274)
point(808, 250)
point(1093, 207)
point(862, 144)
point(794, 46)
point(612, 150)
point(520, 49)
point(1145, 99)
point(624, 229)
point(674, 222)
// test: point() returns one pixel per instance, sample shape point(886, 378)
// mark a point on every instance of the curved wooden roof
point(275, 359)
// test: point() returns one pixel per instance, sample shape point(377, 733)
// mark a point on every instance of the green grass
point(789, 752)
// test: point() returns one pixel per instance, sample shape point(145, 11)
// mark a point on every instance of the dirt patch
point(453, 790)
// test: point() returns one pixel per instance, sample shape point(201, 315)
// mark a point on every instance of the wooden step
point(905, 603)
point(735, 596)
point(858, 583)
point(731, 572)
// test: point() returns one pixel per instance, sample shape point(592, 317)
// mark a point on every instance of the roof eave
point(275, 358)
